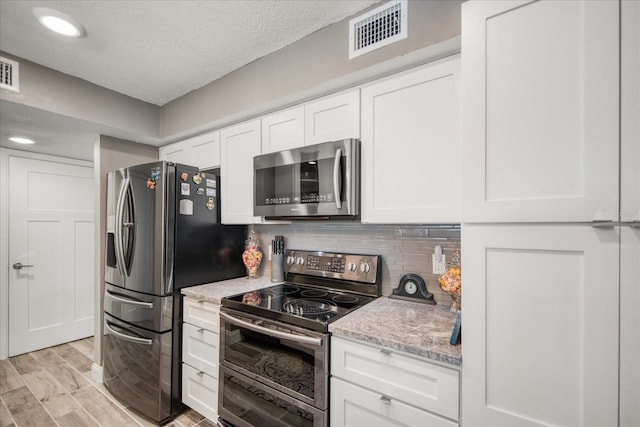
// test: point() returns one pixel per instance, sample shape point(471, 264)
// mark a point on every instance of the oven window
point(286, 364)
point(259, 405)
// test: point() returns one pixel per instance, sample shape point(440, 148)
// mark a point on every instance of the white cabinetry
point(540, 324)
point(283, 130)
point(411, 147)
point(372, 385)
point(200, 349)
point(551, 144)
point(202, 151)
point(332, 118)
point(541, 111)
point(239, 144)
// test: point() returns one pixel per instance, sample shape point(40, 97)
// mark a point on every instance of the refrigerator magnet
point(200, 191)
point(210, 203)
point(211, 192)
point(184, 176)
point(211, 183)
point(197, 179)
point(186, 207)
point(185, 189)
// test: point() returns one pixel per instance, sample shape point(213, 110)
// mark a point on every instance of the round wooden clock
point(412, 288)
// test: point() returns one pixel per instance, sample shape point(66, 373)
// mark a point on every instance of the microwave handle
point(337, 178)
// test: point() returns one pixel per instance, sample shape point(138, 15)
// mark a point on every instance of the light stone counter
point(214, 292)
point(418, 329)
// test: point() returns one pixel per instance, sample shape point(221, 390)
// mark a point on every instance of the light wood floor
point(53, 387)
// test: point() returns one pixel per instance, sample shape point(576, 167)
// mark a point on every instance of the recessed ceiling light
point(21, 140)
point(59, 22)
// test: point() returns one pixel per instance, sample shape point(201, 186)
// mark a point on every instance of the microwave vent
point(9, 75)
point(377, 28)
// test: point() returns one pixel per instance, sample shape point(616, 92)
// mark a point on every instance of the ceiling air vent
point(9, 75)
point(377, 28)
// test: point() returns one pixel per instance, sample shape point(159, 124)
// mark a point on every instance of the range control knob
point(352, 266)
point(300, 260)
point(291, 259)
point(365, 267)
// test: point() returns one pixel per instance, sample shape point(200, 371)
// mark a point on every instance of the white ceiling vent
point(377, 28)
point(9, 75)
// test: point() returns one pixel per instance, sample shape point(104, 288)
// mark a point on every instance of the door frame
point(5, 154)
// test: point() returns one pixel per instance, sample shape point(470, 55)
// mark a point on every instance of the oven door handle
point(271, 332)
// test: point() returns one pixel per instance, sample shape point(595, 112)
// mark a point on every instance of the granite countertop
point(214, 292)
point(418, 329)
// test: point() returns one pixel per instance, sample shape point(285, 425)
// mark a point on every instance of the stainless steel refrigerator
point(163, 234)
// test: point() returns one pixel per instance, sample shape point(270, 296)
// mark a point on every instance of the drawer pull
point(385, 399)
point(201, 330)
point(385, 351)
point(201, 373)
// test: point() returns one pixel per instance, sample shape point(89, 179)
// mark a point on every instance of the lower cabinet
point(200, 352)
point(377, 386)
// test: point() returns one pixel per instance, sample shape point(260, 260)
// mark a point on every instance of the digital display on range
point(325, 263)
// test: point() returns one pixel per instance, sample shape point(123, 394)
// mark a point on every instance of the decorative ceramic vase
point(451, 283)
point(252, 257)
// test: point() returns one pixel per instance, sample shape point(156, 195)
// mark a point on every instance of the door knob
point(19, 266)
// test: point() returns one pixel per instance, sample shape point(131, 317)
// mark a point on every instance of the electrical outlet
point(439, 263)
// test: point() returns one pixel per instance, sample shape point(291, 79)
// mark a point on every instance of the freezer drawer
point(137, 368)
point(151, 312)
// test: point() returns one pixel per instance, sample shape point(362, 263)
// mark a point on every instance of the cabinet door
point(175, 153)
point(333, 118)
point(630, 109)
point(205, 150)
point(356, 406)
point(540, 320)
point(411, 147)
point(283, 130)
point(200, 348)
point(239, 144)
point(201, 313)
point(541, 110)
point(200, 392)
point(630, 327)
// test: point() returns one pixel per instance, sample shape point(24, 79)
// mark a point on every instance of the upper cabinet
point(202, 151)
point(283, 130)
point(239, 144)
point(540, 83)
point(411, 152)
point(332, 118)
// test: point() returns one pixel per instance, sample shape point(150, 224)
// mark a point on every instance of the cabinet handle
point(385, 351)
point(385, 399)
point(201, 330)
point(201, 373)
point(603, 224)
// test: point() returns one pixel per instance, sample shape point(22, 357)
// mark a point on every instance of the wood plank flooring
point(53, 387)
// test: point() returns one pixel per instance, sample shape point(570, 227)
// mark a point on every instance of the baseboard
point(97, 373)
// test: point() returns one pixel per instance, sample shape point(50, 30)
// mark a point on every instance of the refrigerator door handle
point(145, 341)
point(118, 227)
point(129, 226)
point(128, 301)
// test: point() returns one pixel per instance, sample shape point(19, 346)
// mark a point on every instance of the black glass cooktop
point(302, 305)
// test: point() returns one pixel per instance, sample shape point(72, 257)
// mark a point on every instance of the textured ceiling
point(157, 51)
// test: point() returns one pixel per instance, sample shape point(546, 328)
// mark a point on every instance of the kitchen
point(408, 247)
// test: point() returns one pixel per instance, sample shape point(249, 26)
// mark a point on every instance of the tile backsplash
point(404, 248)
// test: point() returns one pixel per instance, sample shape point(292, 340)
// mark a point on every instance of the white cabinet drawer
point(200, 349)
point(355, 406)
point(201, 313)
point(398, 376)
point(200, 392)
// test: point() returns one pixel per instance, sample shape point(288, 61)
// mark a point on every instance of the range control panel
point(356, 267)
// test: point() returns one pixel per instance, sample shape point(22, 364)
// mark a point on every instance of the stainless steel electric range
point(274, 349)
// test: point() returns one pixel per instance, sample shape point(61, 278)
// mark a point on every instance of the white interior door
point(51, 233)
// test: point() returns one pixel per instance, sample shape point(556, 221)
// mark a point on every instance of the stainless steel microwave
point(320, 181)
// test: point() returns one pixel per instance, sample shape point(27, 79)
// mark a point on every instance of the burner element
point(308, 307)
point(278, 291)
point(345, 299)
point(314, 293)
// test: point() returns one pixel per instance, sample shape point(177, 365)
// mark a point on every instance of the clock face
point(410, 287)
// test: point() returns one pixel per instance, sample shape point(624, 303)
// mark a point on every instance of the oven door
point(291, 360)
point(248, 403)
